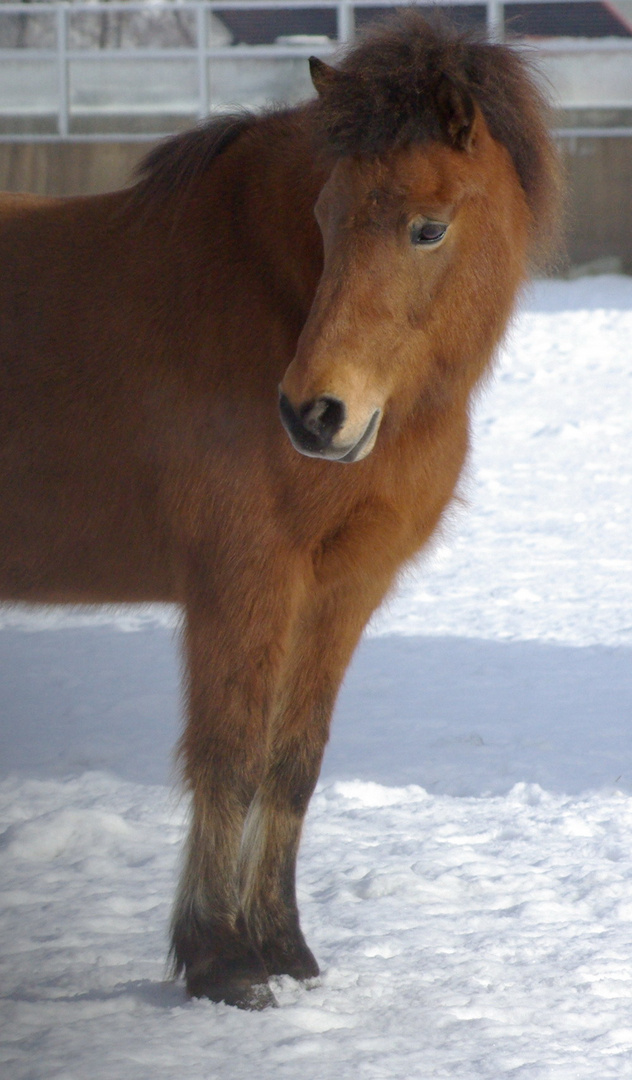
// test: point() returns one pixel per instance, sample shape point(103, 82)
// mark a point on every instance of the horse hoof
point(299, 963)
point(239, 992)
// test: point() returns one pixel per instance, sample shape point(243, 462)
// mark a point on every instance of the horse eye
point(427, 233)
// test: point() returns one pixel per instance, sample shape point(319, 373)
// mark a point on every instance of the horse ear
point(323, 76)
point(455, 106)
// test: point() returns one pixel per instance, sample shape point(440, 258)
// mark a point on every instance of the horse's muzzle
point(313, 427)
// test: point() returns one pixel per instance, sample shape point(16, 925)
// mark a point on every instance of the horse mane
point(388, 95)
point(174, 165)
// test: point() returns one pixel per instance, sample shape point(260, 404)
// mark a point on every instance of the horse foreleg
point(270, 845)
point(233, 655)
point(322, 649)
point(208, 943)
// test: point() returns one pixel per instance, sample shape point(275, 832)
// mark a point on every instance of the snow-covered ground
point(466, 871)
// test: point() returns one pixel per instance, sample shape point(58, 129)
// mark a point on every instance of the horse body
point(115, 339)
point(145, 339)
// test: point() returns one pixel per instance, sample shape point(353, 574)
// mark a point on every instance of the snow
point(550, 486)
point(466, 870)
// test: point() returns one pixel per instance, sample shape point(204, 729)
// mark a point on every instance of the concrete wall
point(599, 210)
point(68, 168)
point(599, 170)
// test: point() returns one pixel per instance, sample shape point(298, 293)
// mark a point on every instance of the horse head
point(427, 219)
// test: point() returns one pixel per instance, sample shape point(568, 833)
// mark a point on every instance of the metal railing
point(60, 54)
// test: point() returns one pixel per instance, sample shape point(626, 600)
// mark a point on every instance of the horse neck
point(267, 184)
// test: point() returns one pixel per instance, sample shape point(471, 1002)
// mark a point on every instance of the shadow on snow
point(456, 716)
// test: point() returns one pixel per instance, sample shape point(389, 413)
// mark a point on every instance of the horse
point(243, 385)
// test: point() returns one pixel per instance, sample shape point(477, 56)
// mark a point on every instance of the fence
point(125, 71)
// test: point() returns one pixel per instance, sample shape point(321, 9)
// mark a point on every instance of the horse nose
point(323, 417)
point(314, 424)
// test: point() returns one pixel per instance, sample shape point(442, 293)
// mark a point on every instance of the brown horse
point(354, 259)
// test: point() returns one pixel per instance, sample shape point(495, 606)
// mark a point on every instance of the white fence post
point(203, 87)
point(62, 71)
point(346, 21)
point(495, 20)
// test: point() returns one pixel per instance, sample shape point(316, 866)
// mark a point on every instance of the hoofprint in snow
point(472, 911)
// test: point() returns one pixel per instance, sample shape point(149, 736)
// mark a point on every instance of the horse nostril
point(313, 425)
point(323, 417)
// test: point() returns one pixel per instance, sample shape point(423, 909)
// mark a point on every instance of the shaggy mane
point(176, 163)
point(386, 96)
